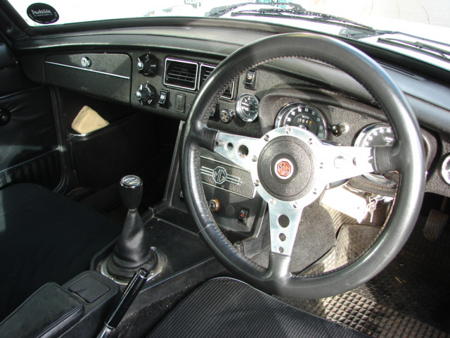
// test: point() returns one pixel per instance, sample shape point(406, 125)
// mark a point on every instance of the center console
point(229, 191)
point(75, 309)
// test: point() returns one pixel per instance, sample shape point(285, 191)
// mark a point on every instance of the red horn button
point(284, 168)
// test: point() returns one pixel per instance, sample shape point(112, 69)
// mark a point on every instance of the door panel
point(11, 75)
point(28, 139)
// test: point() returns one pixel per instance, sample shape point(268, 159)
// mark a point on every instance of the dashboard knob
point(146, 94)
point(226, 115)
point(147, 64)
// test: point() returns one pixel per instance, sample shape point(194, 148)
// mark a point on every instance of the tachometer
point(247, 107)
point(376, 134)
point(303, 116)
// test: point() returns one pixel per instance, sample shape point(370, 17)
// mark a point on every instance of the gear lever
point(131, 188)
point(132, 250)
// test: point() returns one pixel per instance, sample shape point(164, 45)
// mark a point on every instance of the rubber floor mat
point(410, 298)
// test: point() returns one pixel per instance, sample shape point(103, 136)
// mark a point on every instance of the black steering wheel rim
point(407, 157)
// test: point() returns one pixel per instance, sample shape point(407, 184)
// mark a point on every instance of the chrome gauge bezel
point(240, 110)
point(288, 107)
point(367, 130)
point(378, 179)
point(445, 169)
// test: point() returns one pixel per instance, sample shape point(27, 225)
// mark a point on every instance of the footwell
point(410, 298)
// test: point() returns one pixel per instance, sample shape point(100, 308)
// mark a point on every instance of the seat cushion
point(225, 307)
point(45, 237)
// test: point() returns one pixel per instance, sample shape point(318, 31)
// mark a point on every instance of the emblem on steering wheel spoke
point(220, 175)
point(284, 169)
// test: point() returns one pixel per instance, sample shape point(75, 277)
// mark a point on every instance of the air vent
point(205, 71)
point(181, 73)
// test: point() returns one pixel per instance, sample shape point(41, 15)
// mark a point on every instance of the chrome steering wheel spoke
point(337, 163)
point(284, 220)
point(241, 150)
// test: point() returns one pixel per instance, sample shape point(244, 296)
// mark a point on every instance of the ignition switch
point(214, 205)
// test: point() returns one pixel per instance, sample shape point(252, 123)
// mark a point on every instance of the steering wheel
point(290, 168)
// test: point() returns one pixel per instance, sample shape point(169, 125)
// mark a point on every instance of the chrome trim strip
point(87, 70)
point(206, 171)
point(445, 169)
point(181, 61)
point(228, 164)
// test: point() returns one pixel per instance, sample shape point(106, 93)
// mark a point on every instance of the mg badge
point(284, 169)
point(220, 175)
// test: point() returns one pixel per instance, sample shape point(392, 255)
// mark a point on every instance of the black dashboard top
point(430, 99)
point(113, 72)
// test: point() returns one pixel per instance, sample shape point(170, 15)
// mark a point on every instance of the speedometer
point(303, 116)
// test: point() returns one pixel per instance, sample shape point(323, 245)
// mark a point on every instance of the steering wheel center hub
point(285, 168)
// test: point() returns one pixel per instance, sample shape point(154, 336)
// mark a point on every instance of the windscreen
point(428, 19)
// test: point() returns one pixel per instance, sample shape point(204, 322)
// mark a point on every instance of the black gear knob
point(131, 188)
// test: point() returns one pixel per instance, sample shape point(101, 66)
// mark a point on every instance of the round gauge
point(445, 169)
point(247, 107)
point(303, 116)
point(377, 134)
point(373, 135)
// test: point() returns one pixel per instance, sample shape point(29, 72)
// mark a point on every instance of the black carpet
point(44, 237)
point(411, 297)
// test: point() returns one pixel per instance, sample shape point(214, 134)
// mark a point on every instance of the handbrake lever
point(121, 308)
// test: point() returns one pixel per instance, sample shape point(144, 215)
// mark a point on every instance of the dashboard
point(161, 70)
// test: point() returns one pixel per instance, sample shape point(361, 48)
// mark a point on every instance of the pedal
point(346, 202)
point(435, 224)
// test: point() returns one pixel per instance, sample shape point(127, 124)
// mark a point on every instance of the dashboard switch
point(180, 103)
point(250, 79)
point(243, 215)
point(163, 98)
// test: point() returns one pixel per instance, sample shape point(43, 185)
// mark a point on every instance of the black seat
point(44, 237)
point(225, 307)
